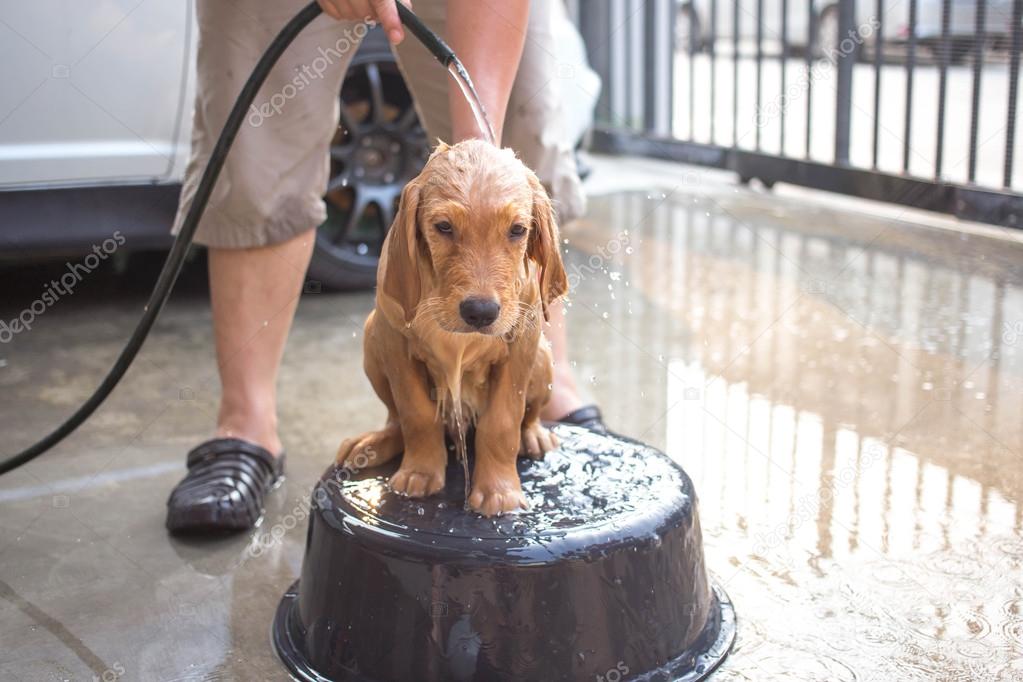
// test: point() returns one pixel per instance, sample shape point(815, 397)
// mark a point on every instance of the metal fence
point(912, 102)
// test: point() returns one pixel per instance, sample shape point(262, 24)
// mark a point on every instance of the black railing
point(899, 104)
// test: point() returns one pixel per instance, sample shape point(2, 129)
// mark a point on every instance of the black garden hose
point(176, 257)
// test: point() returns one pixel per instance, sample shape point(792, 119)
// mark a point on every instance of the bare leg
point(489, 44)
point(565, 395)
point(254, 293)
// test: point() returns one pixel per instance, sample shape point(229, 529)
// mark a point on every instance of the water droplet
point(628, 250)
point(604, 315)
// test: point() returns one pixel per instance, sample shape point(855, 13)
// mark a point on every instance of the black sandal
point(224, 488)
point(588, 417)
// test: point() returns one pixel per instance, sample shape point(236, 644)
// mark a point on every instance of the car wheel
point(379, 146)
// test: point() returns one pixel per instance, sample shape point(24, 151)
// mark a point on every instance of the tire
point(379, 146)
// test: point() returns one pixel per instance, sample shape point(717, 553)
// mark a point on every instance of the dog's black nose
point(479, 312)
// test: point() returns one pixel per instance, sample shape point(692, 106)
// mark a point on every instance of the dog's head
point(458, 252)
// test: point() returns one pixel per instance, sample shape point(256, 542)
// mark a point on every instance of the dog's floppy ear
point(544, 247)
point(399, 276)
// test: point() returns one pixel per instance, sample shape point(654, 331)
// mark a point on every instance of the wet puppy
point(466, 274)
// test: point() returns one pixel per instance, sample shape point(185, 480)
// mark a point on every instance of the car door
point(93, 92)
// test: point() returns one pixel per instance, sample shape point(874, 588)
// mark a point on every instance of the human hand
point(382, 11)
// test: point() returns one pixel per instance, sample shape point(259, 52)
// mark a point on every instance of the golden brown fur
point(428, 365)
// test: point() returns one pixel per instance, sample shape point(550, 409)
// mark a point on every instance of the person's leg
point(565, 396)
point(533, 128)
point(254, 293)
point(259, 228)
point(260, 220)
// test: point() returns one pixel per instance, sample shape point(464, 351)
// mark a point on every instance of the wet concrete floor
point(846, 392)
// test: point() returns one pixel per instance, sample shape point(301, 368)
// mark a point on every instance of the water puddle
point(845, 394)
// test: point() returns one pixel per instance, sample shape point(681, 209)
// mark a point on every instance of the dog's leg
point(537, 439)
point(495, 481)
point(374, 447)
point(422, 466)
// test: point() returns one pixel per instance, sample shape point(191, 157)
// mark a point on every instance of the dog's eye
point(517, 230)
point(444, 227)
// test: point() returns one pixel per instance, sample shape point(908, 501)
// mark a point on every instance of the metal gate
point(905, 101)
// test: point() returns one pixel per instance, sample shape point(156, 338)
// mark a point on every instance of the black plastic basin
point(603, 579)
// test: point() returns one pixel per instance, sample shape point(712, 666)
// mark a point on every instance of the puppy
point(467, 272)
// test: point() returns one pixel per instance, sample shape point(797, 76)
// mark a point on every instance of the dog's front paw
point(492, 495)
point(537, 440)
point(418, 479)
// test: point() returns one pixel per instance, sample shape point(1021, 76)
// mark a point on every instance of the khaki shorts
point(276, 173)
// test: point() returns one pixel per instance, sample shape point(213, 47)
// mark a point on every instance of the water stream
point(461, 77)
point(461, 449)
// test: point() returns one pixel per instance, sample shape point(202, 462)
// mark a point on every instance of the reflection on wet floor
point(846, 395)
point(845, 392)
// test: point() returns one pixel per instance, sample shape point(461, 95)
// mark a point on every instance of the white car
point(95, 122)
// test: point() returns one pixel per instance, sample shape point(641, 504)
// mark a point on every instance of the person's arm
point(382, 11)
point(488, 37)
